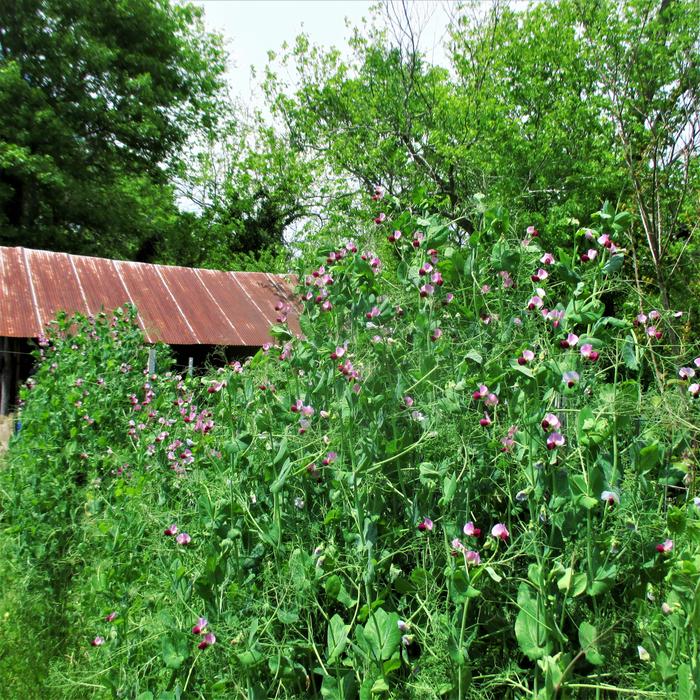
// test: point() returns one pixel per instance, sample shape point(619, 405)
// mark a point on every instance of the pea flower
point(506, 279)
point(665, 547)
point(547, 259)
point(427, 268)
point(525, 357)
point(686, 372)
point(570, 378)
point(605, 241)
point(472, 557)
point(570, 341)
point(373, 313)
point(481, 392)
point(485, 421)
point(508, 441)
point(427, 290)
point(694, 390)
point(436, 278)
point(666, 608)
point(555, 440)
point(500, 531)
point(171, 530)
point(449, 297)
point(696, 362)
point(457, 545)
point(329, 458)
point(200, 626)
point(588, 353)
point(111, 617)
point(208, 640)
point(183, 538)
point(393, 237)
point(535, 302)
point(403, 626)
point(97, 641)
point(551, 422)
point(532, 232)
point(491, 400)
point(436, 334)
point(380, 219)
point(540, 276)
point(470, 530)
point(590, 254)
point(338, 352)
point(610, 497)
point(425, 525)
point(643, 654)
point(408, 400)
point(653, 332)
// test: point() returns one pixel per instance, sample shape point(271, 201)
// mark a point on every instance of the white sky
point(251, 28)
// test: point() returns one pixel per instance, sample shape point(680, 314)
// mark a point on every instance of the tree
point(647, 55)
point(548, 111)
point(96, 99)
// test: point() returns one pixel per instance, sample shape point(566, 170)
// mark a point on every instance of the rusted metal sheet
point(101, 284)
point(177, 305)
point(55, 284)
point(18, 315)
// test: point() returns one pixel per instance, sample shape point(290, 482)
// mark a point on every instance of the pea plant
point(472, 476)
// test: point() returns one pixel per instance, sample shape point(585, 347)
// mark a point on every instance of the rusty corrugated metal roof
point(176, 305)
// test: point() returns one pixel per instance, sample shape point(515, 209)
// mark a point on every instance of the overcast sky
point(251, 28)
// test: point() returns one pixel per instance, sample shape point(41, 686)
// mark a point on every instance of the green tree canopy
point(96, 98)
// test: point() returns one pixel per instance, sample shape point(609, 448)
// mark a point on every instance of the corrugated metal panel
point(101, 284)
point(178, 305)
point(18, 313)
point(55, 284)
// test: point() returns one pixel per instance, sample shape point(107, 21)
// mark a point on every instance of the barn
point(193, 310)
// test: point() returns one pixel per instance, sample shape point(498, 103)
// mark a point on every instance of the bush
point(444, 489)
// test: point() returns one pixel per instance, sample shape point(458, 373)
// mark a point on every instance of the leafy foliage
point(95, 100)
point(443, 490)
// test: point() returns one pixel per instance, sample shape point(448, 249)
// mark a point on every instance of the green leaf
point(588, 639)
point(337, 639)
point(380, 686)
point(174, 650)
point(449, 488)
point(571, 583)
point(382, 634)
point(686, 686)
point(613, 265)
point(629, 354)
point(531, 631)
point(287, 617)
point(474, 356)
point(492, 573)
point(278, 484)
point(603, 579)
point(649, 457)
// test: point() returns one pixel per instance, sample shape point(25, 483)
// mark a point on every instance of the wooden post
point(7, 371)
point(190, 366)
point(151, 360)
